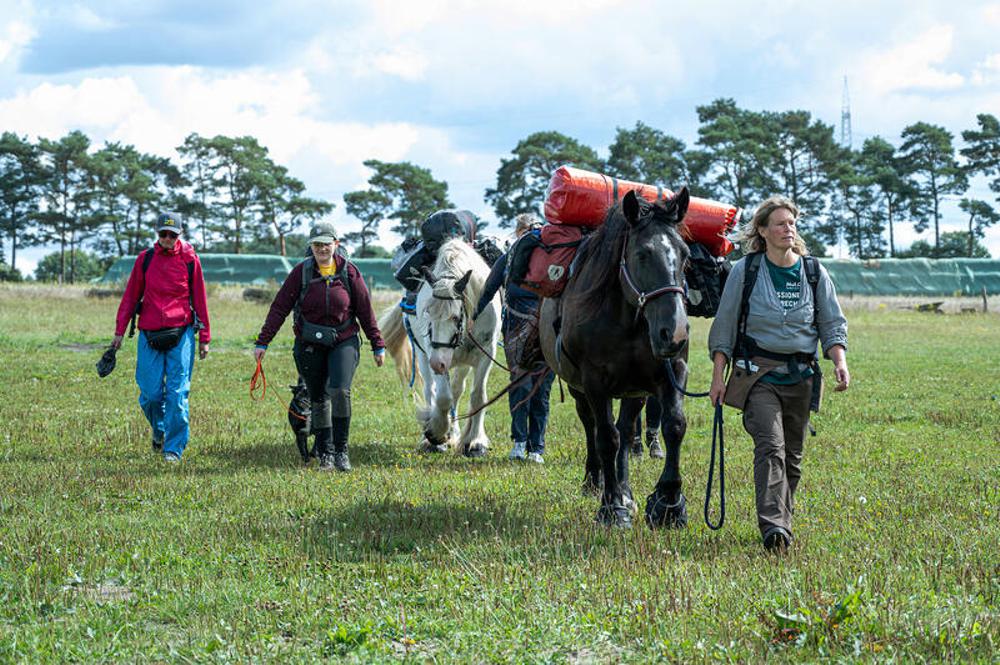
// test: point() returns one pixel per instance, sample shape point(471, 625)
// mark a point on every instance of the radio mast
point(845, 118)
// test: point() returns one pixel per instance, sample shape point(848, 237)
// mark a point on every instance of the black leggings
point(328, 373)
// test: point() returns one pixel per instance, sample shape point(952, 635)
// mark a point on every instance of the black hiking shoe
point(341, 462)
point(326, 462)
point(157, 443)
point(777, 540)
point(635, 450)
point(653, 439)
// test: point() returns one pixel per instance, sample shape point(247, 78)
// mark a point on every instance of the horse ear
point(680, 202)
point(462, 283)
point(428, 275)
point(630, 206)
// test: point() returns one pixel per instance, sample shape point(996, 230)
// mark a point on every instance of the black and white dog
point(300, 419)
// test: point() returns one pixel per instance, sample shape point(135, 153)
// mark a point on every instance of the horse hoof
point(661, 513)
point(631, 506)
point(617, 517)
point(475, 451)
point(592, 487)
point(428, 447)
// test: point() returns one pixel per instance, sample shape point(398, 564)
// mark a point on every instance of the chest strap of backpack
point(147, 258)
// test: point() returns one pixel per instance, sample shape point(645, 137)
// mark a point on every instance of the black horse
point(620, 320)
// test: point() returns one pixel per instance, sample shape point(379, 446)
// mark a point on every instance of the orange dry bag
point(582, 198)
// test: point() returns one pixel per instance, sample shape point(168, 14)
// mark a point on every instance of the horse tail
point(390, 322)
point(397, 342)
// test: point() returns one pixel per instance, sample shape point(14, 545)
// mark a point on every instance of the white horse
point(443, 332)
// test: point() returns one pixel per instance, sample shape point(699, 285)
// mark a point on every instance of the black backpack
point(706, 277)
point(147, 258)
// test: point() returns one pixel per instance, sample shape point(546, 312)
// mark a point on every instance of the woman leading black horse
point(331, 302)
point(778, 304)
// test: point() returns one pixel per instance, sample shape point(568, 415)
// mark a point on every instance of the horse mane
point(455, 258)
point(598, 260)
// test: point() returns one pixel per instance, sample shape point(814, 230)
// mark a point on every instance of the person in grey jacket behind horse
point(775, 376)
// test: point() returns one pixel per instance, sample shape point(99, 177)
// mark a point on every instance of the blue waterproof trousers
point(164, 379)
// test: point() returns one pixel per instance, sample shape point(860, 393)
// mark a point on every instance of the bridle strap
point(642, 297)
point(457, 338)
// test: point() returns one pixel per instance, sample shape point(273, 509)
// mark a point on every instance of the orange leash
point(259, 382)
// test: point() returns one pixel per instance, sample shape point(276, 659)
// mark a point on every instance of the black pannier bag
point(444, 225)
point(488, 250)
point(706, 276)
point(407, 261)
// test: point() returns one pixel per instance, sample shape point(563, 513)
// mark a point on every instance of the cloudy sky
point(453, 85)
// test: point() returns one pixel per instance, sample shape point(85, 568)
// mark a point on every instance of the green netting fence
point(259, 269)
point(221, 268)
point(915, 277)
point(882, 277)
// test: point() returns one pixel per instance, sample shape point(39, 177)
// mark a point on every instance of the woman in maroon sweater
point(331, 304)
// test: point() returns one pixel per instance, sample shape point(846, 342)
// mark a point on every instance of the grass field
point(240, 554)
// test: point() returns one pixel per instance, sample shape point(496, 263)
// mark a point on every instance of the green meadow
point(240, 554)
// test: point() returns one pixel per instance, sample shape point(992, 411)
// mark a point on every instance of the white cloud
point(914, 64)
point(991, 14)
point(13, 36)
point(407, 65)
point(987, 72)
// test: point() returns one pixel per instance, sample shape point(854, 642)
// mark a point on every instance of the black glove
point(106, 364)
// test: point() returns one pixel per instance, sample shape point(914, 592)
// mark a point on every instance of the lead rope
point(717, 435)
point(259, 381)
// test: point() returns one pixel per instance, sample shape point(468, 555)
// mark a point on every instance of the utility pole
point(845, 117)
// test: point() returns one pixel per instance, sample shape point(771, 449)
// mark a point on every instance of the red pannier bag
point(548, 269)
point(582, 198)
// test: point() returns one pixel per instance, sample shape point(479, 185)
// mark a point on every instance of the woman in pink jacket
point(166, 290)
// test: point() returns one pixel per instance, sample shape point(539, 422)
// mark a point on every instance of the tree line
point(235, 198)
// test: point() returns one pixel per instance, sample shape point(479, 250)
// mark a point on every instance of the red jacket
point(326, 303)
point(165, 292)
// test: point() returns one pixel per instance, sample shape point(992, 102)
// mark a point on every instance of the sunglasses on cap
point(168, 234)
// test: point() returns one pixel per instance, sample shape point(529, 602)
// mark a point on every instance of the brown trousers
point(777, 418)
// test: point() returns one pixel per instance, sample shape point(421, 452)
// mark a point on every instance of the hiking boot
point(326, 462)
point(653, 440)
point(341, 462)
point(777, 540)
point(157, 442)
point(519, 451)
point(171, 458)
point(635, 450)
point(536, 458)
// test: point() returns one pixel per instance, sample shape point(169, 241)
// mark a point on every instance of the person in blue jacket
point(528, 416)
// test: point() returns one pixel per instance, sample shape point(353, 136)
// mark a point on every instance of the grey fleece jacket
point(769, 324)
